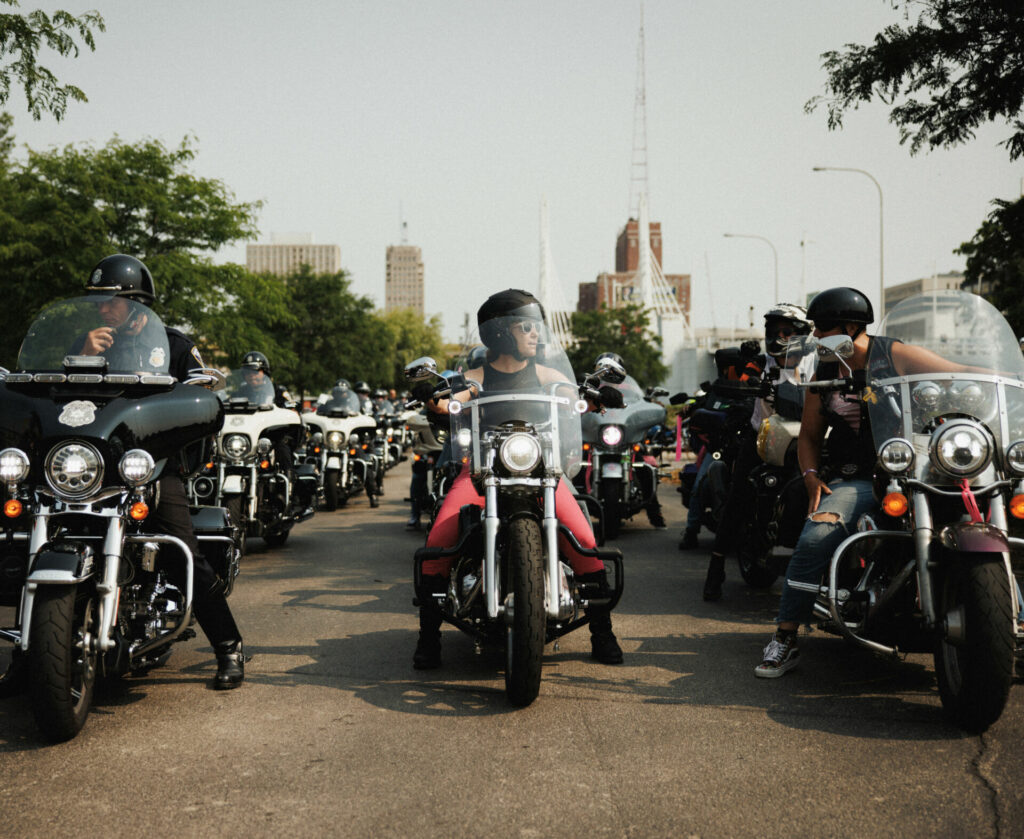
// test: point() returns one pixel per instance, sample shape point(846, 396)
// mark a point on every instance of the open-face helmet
point(120, 275)
point(838, 306)
point(256, 360)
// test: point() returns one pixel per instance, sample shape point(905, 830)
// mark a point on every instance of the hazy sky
point(343, 116)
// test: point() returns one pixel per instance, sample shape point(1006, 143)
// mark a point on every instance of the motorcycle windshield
point(247, 387)
point(970, 367)
point(538, 398)
point(343, 402)
point(129, 336)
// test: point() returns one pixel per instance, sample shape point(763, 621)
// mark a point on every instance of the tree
point(22, 37)
point(414, 336)
point(963, 58)
point(624, 330)
point(995, 261)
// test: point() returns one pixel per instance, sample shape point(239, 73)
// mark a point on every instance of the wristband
point(810, 472)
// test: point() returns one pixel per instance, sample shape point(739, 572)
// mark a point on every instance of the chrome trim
point(551, 571)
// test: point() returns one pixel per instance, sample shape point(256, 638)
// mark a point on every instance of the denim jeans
point(818, 540)
point(693, 512)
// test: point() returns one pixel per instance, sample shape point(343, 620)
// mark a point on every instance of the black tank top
point(526, 379)
point(522, 381)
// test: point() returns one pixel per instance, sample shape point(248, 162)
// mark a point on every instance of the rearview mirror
point(609, 370)
point(420, 369)
point(835, 346)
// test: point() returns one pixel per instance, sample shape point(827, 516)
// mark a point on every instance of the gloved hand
point(611, 397)
point(422, 391)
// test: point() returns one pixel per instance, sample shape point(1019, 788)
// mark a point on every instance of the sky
point(459, 116)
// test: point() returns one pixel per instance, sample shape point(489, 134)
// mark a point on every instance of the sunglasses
point(526, 327)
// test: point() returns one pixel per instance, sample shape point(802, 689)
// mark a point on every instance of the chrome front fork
point(491, 545)
point(553, 572)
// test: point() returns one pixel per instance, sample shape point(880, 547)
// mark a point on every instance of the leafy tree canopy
point(23, 37)
point(626, 331)
point(413, 336)
point(995, 261)
point(958, 65)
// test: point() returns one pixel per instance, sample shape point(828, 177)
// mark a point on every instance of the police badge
point(77, 413)
point(157, 357)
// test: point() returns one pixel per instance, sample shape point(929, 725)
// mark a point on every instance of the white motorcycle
point(346, 436)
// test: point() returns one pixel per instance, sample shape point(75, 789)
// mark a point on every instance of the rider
point(509, 324)
point(362, 390)
point(373, 480)
point(118, 282)
point(782, 323)
point(260, 389)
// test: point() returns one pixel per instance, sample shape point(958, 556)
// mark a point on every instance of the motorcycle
point(432, 455)
point(932, 572)
point(343, 428)
point(621, 472)
point(252, 472)
point(85, 440)
point(508, 583)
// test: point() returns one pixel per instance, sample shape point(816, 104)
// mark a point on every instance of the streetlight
point(881, 230)
point(774, 252)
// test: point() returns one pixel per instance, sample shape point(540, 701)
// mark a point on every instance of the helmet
point(492, 318)
point(256, 361)
point(380, 393)
point(476, 358)
point(362, 388)
point(842, 305)
point(796, 316)
point(120, 275)
point(343, 383)
point(614, 356)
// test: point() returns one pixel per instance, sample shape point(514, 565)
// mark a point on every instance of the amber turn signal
point(12, 508)
point(139, 510)
point(895, 504)
point(1017, 506)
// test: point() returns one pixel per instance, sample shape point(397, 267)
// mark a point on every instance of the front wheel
point(235, 505)
point(62, 659)
point(331, 490)
point(611, 506)
point(276, 538)
point(974, 656)
point(754, 556)
point(524, 598)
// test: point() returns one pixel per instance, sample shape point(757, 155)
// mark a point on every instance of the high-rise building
point(403, 279)
point(288, 252)
point(618, 288)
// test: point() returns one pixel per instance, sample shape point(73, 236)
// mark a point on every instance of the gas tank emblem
point(79, 412)
point(238, 420)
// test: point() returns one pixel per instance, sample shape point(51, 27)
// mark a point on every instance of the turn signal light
point(636, 447)
point(316, 450)
point(586, 447)
point(1017, 506)
point(209, 465)
point(351, 451)
point(416, 458)
point(264, 464)
point(12, 508)
point(139, 510)
point(895, 504)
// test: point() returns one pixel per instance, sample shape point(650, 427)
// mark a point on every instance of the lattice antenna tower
point(638, 184)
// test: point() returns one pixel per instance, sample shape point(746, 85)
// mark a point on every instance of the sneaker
point(780, 655)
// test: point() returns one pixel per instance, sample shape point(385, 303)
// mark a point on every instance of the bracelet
point(809, 472)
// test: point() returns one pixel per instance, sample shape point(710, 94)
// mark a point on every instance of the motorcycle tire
point(331, 490)
point(276, 538)
point(611, 505)
point(62, 673)
point(755, 573)
point(525, 629)
point(975, 672)
point(234, 506)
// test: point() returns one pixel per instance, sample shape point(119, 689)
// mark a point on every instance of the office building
point(288, 252)
point(403, 278)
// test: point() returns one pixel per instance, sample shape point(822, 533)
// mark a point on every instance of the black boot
point(715, 578)
point(374, 502)
point(15, 681)
point(230, 665)
point(654, 515)
point(604, 646)
point(689, 540)
point(428, 646)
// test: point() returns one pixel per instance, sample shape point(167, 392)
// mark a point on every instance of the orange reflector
point(351, 451)
point(209, 465)
point(465, 460)
point(1017, 506)
point(586, 447)
point(366, 446)
point(416, 458)
point(12, 508)
point(139, 510)
point(264, 464)
point(895, 504)
point(636, 447)
point(316, 450)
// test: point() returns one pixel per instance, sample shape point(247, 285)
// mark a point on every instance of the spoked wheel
point(62, 659)
point(611, 505)
point(524, 599)
point(234, 505)
point(974, 657)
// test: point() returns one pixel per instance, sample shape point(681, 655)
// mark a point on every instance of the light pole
point(881, 230)
point(775, 253)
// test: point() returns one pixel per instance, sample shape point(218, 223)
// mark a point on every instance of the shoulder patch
point(197, 356)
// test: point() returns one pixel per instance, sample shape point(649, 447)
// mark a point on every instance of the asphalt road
point(334, 733)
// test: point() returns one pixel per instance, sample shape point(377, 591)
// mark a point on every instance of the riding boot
point(715, 578)
point(428, 646)
point(689, 540)
point(604, 646)
point(15, 680)
point(230, 665)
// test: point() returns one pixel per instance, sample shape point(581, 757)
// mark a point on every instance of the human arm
point(808, 449)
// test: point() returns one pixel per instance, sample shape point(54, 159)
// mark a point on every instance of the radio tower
point(638, 168)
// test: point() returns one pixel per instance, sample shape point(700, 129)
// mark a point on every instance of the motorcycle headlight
point(611, 435)
point(896, 456)
point(13, 466)
point(136, 467)
point(960, 448)
point(354, 438)
point(1014, 458)
point(520, 453)
point(237, 445)
point(335, 439)
point(464, 438)
point(73, 470)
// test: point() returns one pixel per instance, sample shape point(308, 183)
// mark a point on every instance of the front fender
point(974, 537)
point(611, 469)
point(62, 562)
point(232, 485)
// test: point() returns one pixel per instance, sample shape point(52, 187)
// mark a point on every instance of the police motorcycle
point(389, 439)
point(251, 472)
point(619, 471)
point(509, 584)
point(932, 572)
point(344, 429)
point(84, 441)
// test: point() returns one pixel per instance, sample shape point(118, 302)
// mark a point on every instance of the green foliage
point(22, 37)
point(626, 331)
point(958, 65)
point(413, 336)
point(995, 261)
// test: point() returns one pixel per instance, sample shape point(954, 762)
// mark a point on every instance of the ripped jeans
point(818, 540)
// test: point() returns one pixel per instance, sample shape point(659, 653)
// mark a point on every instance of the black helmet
point(256, 361)
point(343, 383)
point(840, 305)
point(493, 318)
point(476, 358)
point(362, 388)
point(120, 275)
point(781, 313)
